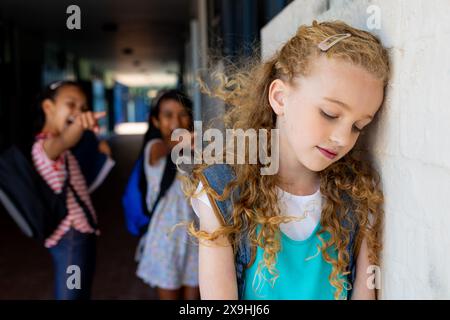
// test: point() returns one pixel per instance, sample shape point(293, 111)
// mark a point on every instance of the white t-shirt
point(308, 206)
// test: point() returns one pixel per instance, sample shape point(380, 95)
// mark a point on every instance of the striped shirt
point(54, 173)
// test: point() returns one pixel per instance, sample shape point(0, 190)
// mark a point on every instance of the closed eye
point(330, 117)
point(71, 104)
point(326, 115)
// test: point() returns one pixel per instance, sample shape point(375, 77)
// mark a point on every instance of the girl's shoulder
point(38, 153)
point(200, 196)
point(151, 145)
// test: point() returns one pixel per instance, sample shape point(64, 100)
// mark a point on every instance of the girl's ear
point(277, 95)
point(47, 106)
point(155, 122)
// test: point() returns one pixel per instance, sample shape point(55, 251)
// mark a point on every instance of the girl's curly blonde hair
point(245, 92)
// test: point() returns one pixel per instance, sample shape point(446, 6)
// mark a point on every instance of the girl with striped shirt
point(63, 117)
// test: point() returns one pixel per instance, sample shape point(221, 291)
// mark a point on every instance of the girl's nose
point(175, 123)
point(341, 136)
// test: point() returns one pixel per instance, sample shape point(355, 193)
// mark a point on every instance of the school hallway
point(26, 268)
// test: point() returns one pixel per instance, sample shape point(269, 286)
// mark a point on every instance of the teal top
point(302, 272)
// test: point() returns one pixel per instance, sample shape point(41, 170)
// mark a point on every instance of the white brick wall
point(411, 141)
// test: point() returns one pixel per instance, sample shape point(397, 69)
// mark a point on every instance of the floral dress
point(169, 257)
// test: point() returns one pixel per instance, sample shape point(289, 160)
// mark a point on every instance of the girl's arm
point(361, 291)
point(69, 137)
point(217, 274)
point(161, 149)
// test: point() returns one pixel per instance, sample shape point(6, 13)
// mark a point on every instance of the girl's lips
point(327, 153)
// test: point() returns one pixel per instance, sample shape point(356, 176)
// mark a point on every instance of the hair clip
point(55, 85)
point(324, 46)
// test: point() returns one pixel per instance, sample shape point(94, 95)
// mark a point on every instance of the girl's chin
point(314, 165)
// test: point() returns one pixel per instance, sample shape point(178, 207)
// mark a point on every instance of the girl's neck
point(294, 177)
point(48, 129)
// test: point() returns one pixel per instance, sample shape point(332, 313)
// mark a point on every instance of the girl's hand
point(89, 120)
point(70, 136)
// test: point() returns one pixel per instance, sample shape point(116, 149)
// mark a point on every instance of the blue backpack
point(217, 177)
point(137, 215)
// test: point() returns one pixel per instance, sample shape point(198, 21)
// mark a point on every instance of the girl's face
point(69, 102)
point(327, 109)
point(172, 115)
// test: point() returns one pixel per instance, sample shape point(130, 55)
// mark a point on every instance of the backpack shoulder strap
point(69, 186)
point(168, 177)
point(217, 177)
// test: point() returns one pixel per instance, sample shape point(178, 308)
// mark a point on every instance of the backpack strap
point(217, 177)
point(168, 177)
point(68, 186)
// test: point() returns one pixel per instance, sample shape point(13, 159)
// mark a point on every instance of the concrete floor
point(25, 265)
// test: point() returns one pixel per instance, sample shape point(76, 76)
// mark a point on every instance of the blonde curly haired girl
point(321, 90)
